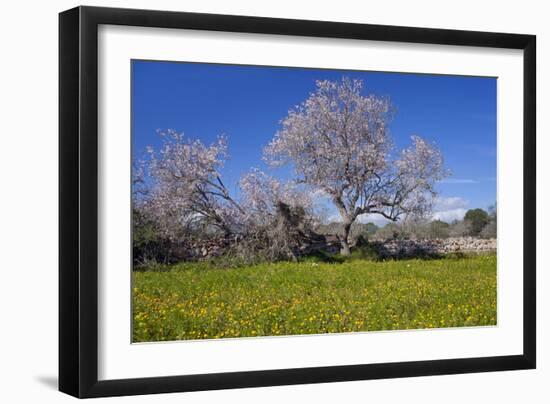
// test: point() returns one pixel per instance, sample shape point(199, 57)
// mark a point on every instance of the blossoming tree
point(186, 190)
point(338, 142)
point(262, 193)
point(188, 187)
point(280, 215)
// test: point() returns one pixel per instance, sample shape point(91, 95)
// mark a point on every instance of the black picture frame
point(78, 201)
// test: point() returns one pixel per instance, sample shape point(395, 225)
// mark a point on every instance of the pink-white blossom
point(338, 141)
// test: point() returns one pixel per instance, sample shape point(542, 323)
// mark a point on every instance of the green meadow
point(204, 301)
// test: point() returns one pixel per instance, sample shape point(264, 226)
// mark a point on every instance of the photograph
point(274, 201)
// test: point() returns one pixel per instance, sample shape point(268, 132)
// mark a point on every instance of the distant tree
point(478, 219)
point(492, 211)
point(417, 228)
point(370, 228)
point(490, 229)
point(459, 228)
point(439, 229)
point(365, 230)
point(148, 245)
point(361, 232)
point(391, 231)
point(338, 142)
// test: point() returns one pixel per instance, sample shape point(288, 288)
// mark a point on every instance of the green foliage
point(439, 229)
point(196, 301)
point(365, 251)
point(478, 219)
point(490, 230)
point(365, 230)
point(148, 246)
point(392, 231)
point(322, 256)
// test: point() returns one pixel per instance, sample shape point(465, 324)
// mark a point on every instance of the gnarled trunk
point(344, 239)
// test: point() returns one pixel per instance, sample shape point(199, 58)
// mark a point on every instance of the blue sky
point(246, 104)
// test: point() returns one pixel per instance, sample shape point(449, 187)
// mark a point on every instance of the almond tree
point(187, 186)
point(280, 215)
point(186, 190)
point(338, 142)
point(261, 194)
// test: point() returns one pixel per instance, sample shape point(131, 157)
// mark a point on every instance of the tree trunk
point(344, 240)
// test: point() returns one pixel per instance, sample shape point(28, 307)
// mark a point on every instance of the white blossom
point(188, 188)
point(261, 193)
point(338, 141)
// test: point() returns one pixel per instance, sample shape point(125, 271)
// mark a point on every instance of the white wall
point(28, 221)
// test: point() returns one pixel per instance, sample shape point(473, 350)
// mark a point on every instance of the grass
point(199, 301)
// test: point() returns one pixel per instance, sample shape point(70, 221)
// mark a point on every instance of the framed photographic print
point(251, 201)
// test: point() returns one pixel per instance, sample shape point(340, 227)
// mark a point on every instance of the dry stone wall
point(395, 248)
point(330, 244)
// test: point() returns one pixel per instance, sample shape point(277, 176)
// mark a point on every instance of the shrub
point(478, 219)
point(148, 244)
